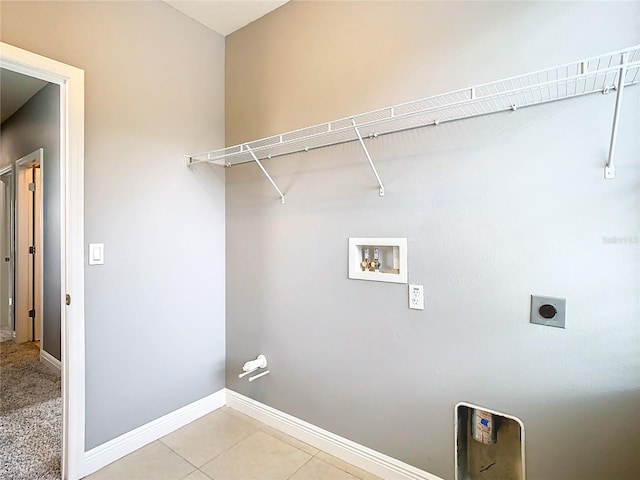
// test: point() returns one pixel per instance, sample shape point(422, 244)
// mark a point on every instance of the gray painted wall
point(36, 125)
point(495, 209)
point(154, 91)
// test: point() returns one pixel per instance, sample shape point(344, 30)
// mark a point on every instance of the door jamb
point(8, 170)
point(71, 82)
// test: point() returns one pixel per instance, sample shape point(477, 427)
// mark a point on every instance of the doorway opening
point(30, 357)
point(71, 242)
point(28, 319)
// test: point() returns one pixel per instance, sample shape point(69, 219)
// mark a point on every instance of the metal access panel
point(498, 455)
point(549, 311)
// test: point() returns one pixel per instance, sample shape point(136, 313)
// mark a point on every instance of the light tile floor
point(228, 445)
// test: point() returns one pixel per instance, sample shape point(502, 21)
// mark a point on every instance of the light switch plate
point(544, 307)
point(96, 254)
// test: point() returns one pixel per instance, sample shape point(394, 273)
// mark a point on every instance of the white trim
point(49, 360)
point(109, 452)
point(32, 159)
point(40, 246)
point(71, 81)
point(9, 212)
point(374, 462)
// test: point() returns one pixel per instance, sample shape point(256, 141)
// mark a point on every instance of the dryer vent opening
point(489, 444)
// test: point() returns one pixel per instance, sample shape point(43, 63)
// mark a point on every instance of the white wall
point(153, 92)
point(495, 209)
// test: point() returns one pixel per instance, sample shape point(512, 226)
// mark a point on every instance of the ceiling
point(15, 91)
point(225, 16)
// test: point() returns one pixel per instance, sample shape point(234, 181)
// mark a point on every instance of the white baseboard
point(374, 462)
point(50, 361)
point(109, 452)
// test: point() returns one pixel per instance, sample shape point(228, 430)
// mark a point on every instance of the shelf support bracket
point(366, 152)
point(255, 159)
point(610, 169)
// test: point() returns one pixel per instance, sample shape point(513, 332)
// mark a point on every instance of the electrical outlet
point(548, 311)
point(416, 297)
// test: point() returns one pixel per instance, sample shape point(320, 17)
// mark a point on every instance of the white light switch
point(416, 297)
point(96, 254)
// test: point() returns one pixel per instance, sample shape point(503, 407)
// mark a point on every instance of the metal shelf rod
point(366, 152)
point(610, 169)
point(503, 108)
point(266, 174)
point(514, 91)
point(602, 73)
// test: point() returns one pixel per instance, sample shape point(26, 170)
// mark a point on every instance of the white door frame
point(71, 81)
point(8, 210)
point(34, 158)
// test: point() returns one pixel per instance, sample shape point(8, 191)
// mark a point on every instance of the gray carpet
point(5, 334)
point(30, 415)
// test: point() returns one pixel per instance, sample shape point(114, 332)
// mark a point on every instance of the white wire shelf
point(601, 74)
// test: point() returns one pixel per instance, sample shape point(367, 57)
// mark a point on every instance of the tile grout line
point(315, 455)
point(340, 468)
point(257, 429)
point(252, 422)
point(216, 456)
point(190, 473)
point(301, 466)
point(160, 440)
point(242, 439)
point(203, 474)
point(262, 425)
point(310, 458)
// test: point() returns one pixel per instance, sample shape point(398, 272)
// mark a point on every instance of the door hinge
point(67, 299)
point(32, 187)
point(32, 250)
point(7, 259)
point(32, 314)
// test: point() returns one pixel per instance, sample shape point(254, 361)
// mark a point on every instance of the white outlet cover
point(416, 297)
